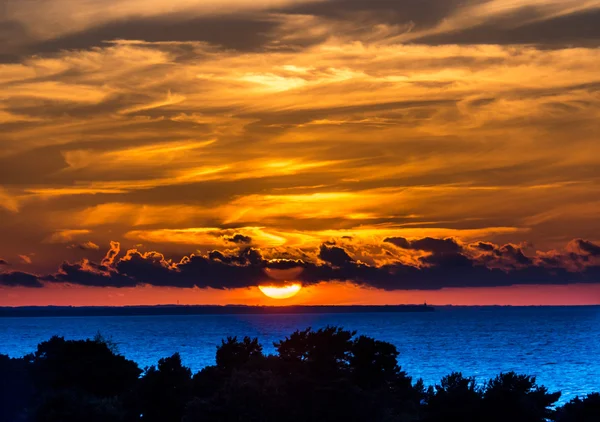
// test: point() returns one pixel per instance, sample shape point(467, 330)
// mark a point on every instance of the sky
point(375, 151)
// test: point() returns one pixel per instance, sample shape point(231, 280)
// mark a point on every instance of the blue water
point(558, 345)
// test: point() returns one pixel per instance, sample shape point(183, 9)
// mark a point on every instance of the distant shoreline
point(166, 310)
point(158, 310)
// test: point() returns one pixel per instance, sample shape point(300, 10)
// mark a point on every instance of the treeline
point(324, 375)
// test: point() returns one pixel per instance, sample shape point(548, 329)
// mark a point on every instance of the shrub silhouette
point(456, 398)
point(517, 398)
point(242, 396)
point(77, 380)
point(86, 365)
point(76, 406)
point(326, 375)
point(233, 354)
point(16, 388)
point(325, 351)
point(373, 362)
point(163, 392)
point(581, 410)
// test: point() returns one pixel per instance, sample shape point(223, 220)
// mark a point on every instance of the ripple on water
point(558, 345)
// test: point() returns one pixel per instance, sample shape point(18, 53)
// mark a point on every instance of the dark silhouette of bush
point(326, 350)
point(207, 381)
point(517, 398)
point(232, 354)
point(456, 398)
point(321, 375)
point(86, 365)
point(164, 392)
point(580, 410)
point(326, 375)
point(373, 362)
point(16, 388)
point(76, 406)
point(75, 378)
point(242, 396)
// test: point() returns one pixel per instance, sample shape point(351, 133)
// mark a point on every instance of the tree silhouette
point(243, 396)
point(86, 365)
point(16, 388)
point(233, 354)
point(581, 410)
point(456, 398)
point(373, 362)
point(327, 375)
point(76, 406)
point(517, 398)
point(326, 350)
point(163, 392)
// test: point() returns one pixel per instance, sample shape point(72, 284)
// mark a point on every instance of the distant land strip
point(62, 311)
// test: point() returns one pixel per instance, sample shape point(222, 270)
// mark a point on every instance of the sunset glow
point(413, 147)
point(284, 292)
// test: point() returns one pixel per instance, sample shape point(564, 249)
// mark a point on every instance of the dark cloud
point(243, 32)
point(334, 255)
point(90, 274)
point(505, 257)
point(427, 244)
point(356, 19)
point(19, 279)
point(514, 253)
point(484, 246)
point(216, 270)
point(245, 256)
point(527, 26)
point(12, 35)
point(4, 262)
point(449, 260)
point(398, 241)
point(587, 247)
point(420, 13)
point(433, 245)
point(238, 238)
point(445, 268)
point(520, 25)
point(31, 166)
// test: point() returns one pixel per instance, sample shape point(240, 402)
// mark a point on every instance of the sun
point(283, 292)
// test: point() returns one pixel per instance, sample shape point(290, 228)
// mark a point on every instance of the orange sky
point(338, 294)
point(175, 126)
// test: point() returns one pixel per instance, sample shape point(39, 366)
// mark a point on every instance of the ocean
point(559, 345)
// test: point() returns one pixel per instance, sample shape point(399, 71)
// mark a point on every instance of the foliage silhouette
point(76, 406)
point(323, 375)
point(232, 354)
point(373, 362)
point(581, 410)
point(517, 398)
point(164, 392)
point(16, 388)
point(325, 351)
point(455, 398)
point(86, 365)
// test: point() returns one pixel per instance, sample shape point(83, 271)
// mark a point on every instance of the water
point(558, 345)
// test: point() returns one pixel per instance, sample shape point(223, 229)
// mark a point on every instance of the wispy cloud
point(305, 121)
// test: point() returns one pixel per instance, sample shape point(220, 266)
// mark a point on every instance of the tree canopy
point(329, 374)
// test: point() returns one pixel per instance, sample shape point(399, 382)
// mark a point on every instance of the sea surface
point(559, 345)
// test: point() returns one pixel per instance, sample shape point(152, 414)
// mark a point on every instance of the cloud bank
point(418, 144)
point(418, 264)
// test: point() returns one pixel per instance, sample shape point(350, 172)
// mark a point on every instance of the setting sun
point(284, 292)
